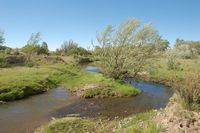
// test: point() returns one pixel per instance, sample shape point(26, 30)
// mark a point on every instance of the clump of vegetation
point(71, 48)
point(35, 47)
point(20, 91)
point(110, 89)
point(69, 125)
point(185, 52)
point(127, 50)
point(187, 49)
point(15, 85)
point(188, 89)
point(139, 123)
point(89, 85)
point(2, 39)
point(172, 62)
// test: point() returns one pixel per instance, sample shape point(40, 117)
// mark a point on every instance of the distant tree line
point(71, 48)
point(35, 46)
point(187, 49)
point(182, 49)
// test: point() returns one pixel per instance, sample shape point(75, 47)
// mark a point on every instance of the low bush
point(15, 59)
point(90, 93)
point(188, 89)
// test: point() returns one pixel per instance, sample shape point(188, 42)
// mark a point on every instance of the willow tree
point(126, 50)
point(33, 45)
point(2, 39)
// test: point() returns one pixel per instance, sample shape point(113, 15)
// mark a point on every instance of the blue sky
point(60, 20)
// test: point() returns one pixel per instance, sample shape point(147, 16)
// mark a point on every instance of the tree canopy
point(34, 45)
point(125, 51)
point(2, 39)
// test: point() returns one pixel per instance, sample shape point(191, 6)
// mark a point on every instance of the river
point(27, 114)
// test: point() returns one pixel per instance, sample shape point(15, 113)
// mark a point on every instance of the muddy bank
point(174, 118)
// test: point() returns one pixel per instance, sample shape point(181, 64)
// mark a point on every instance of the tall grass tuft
point(188, 89)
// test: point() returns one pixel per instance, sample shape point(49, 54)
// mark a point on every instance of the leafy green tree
point(125, 51)
point(71, 48)
point(172, 62)
point(68, 46)
point(44, 48)
point(2, 40)
point(34, 39)
point(162, 45)
point(32, 47)
point(178, 42)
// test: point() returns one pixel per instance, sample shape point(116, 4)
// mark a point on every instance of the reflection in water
point(25, 115)
point(91, 69)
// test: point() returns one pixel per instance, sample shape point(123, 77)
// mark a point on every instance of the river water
point(25, 115)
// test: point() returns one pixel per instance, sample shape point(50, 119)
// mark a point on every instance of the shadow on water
point(27, 114)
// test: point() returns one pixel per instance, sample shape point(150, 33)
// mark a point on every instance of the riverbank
point(21, 116)
point(141, 122)
point(20, 82)
point(173, 118)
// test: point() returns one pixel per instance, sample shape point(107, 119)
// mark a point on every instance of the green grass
point(20, 82)
point(107, 87)
point(70, 125)
point(160, 72)
point(78, 125)
point(139, 123)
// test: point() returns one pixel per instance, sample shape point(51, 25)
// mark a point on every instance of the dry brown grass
point(188, 89)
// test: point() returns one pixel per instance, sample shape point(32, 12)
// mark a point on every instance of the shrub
point(8, 50)
point(15, 51)
point(188, 89)
point(90, 93)
point(71, 48)
point(172, 63)
point(15, 59)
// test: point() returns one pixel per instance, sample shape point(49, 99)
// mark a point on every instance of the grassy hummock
point(90, 84)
